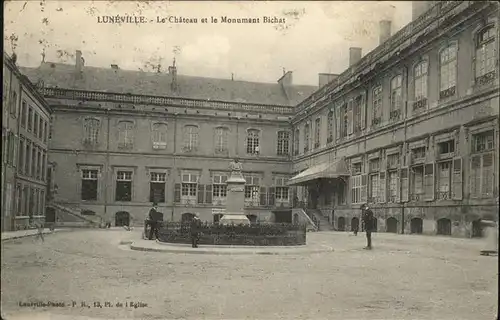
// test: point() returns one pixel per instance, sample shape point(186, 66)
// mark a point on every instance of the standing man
point(152, 221)
point(367, 216)
point(195, 230)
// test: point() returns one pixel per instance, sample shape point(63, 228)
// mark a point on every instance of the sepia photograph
point(322, 160)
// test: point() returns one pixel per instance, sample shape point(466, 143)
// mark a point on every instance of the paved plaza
point(404, 277)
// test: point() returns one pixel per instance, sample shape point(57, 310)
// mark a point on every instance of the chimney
point(172, 71)
point(286, 79)
point(354, 55)
point(325, 78)
point(80, 62)
point(385, 30)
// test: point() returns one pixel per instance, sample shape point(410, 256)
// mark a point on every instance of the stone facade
point(416, 120)
point(422, 148)
point(25, 125)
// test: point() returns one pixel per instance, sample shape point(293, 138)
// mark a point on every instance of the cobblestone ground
point(404, 277)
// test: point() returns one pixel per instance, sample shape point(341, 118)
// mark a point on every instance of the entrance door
point(354, 224)
point(341, 224)
point(122, 218)
point(444, 227)
point(392, 225)
point(50, 215)
point(416, 226)
point(477, 230)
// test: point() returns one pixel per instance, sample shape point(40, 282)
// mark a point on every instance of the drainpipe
point(406, 153)
point(174, 167)
point(106, 173)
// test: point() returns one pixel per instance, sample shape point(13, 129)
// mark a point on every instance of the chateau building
point(410, 128)
point(25, 126)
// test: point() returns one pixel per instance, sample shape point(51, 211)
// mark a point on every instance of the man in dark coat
point(368, 224)
point(195, 230)
point(153, 221)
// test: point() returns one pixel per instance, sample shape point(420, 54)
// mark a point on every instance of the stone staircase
point(304, 218)
point(70, 215)
point(320, 219)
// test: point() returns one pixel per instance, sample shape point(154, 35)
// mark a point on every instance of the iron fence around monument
point(269, 234)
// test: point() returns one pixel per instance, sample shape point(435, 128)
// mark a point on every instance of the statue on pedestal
point(236, 167)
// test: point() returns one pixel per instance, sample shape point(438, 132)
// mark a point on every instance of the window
point(40, 129)
point(444, 180)
point(44, 162)
point(189, 185)
point(125, 134)
point(345, 120)
point(45, 132)
point(35, 124)
point(25, 201)
point(317, 132)
point(159, 136)
point(33, 160)
point(19, 200)
point(123, 186)
point(485, 55)
point(393, 160)
point(356, 168)
point(281, 189)
point(420, 85)
point(23, 114)
point(20, 159)
point(393, 186)
point(253, 141)
point(221, 135)
point(373, 167)
point(448, 71)
point(417, 183)
point(418, 154)
point(482, 178)
point(357, 114)
point(157, 187)
point(446, 148)
point(39, 164)
point(219, 188)
point(483, 142)
point(296, 142)
point(396, 96)
point(330, 127)
point(283, 143)
point(89, 184)
point(306, 137)
point(252, 185)
point(190, 138)
point(27, 159)
point(13, 104)
point(356, 189)
point(30, 118)
point(377, 105)
point(91, 131)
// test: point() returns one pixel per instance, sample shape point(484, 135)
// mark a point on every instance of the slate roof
point(159, 84)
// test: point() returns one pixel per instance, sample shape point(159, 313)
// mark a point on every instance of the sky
point(314, 38)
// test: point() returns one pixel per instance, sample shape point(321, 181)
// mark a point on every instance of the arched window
point(91, 130)
point(190, 137)
point(253, 141)
point(159, 135)
point(283, 143)
point(330, 127)
point(377, 105)
point(317, 132)
point(221, 134)
point(396, 96)
point(420, 84)
point(448, 71)
point(485, 54)
point(296, 142)
point(125, 133)
point(306, 137)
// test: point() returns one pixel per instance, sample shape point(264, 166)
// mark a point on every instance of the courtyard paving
point(404, 277)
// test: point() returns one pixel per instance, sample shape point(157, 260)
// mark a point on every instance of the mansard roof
point(159, 84)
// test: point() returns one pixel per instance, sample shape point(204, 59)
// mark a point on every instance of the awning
point(328, 170)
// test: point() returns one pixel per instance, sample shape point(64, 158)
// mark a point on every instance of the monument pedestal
point(235, 202)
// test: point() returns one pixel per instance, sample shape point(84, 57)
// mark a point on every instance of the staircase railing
point(74, 209)
point(313, 221)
